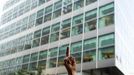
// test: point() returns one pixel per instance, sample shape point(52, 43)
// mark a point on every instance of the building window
point(34, 57)
point(52, 63)
point(55, 32)
point(39, 19)
point(14, 15)
point(25, 66)
point(57, 9)
point(106, 15)
point(31, 20)
point(77, 57)
point(37, 34)
point(53, 57)
point(106, 46)
point(57, 13)
point(28, 41)
point(41, 2)
point(19, 60)
point(58, 4)
point(47, 17)
point(34, 4)
point(61, 61)
point(20, 47)
point(62, 53)
point(24, 24)
point(90, 20)
point(40, 13)
point(13, 49)
point(20, 10)
point(42, 64)
point(21, 44)
point(48, 9)
point(48, 0)
point(89, 44)
point(67, 7)
point(77, 27)
point(44, 39)
point(89, 56)
point(65, 29)
point(53, 52)
point(48, 13)
point(45, 35)
point(27, 6)
point(90, 1)
point(36, 42)
point(76, 47)
point(62, 50)
point(26, 59)
point(45, 31)
point(54, 37)
point(106, 40)
point(78, 4)
point(106, 53)
point(33, 66)
point(89, 50)
point(43, 55)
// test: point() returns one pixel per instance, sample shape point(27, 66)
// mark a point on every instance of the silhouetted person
point(70, 63)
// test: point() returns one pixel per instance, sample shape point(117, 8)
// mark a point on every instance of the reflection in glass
point(78, 4)
point(62, 50)
point(52, 63)
point(106, 40)
point(107, 20)
point(90, 1)
point(26, 58)
point(106, 15)
point(33, 66)
point(53, 52)
point(54, 37)
point(37, 34)
point(36, 42)
point(44, 39)
point(65, 29)
point(77, 25)
point(106, 53)
point(77, 57)
point(43, 55)
point(61, 61)
point(39, 21)
point(41, 2)
point(34, 57)
point(89, 44)
point(89, 56)
point(42, 64)
point(76, 47)
point(25, 66)
point(45, 31)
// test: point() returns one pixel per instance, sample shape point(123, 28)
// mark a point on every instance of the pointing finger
point(67, 52)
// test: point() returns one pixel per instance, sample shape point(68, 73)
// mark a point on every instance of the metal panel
point(124, 36)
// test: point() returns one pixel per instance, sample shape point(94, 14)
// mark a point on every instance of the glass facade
point(89, 50)
point(106, 46)
point(90, 20)
point(106, 15)
point(65, 29)
point(50, 25)
point(77, 25)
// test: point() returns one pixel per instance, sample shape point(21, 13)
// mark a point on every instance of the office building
point(36, 33)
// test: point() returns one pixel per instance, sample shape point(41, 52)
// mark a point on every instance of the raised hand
point(70, 63)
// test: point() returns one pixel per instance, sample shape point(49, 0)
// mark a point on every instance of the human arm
point(70, 63)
